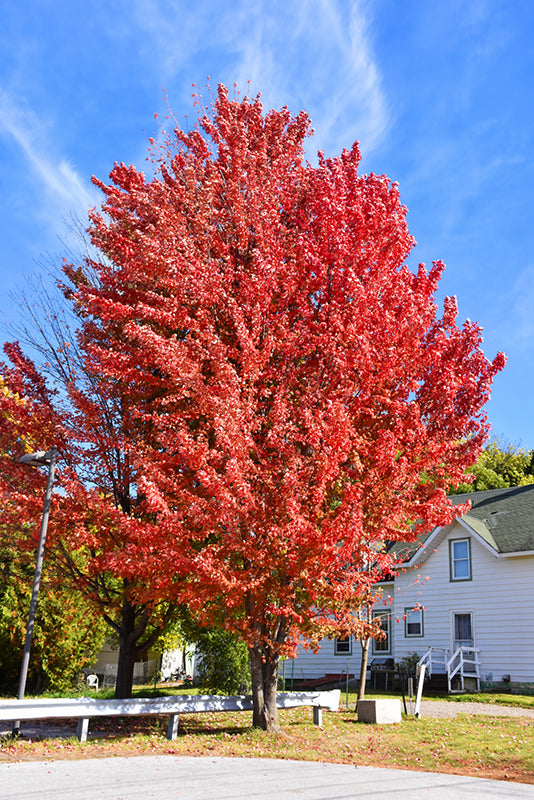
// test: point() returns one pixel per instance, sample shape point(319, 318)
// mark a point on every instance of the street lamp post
point(38, 459)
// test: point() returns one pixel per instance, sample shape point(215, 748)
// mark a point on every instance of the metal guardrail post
point(420, 681)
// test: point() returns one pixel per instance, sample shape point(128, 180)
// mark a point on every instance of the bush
point(223, 663)
point(67, 633)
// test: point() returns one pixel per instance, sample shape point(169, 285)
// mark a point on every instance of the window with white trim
point(343, 646)
point(460, 559)
point(382, 645)
point(413, 621)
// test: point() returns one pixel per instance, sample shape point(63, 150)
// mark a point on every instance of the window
point(343, 646)
point(460, 559)
point(382, 645)
point(413, 622)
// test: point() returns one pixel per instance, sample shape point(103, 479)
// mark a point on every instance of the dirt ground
point(446, 708)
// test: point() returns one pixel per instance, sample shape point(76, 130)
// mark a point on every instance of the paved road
point(177, 778)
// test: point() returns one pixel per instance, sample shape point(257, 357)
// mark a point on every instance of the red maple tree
point(88, 420)
point(301, 400)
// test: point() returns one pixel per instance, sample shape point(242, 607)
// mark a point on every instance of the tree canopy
point(297, 382)
point(500, 465)
point(68, 631)
point(292, 399)
point(95, 484)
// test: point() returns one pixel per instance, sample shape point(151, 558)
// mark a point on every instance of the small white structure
point(92, 681)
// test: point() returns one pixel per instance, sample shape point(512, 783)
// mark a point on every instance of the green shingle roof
point(504, 518)
point(506, 514)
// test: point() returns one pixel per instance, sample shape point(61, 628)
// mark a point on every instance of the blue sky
point(440, 96)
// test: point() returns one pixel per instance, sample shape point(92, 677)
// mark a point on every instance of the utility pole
point(38, 459)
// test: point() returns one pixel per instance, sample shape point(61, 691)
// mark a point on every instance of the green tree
point(68, 631)
point(224, 662)
point(500, 465)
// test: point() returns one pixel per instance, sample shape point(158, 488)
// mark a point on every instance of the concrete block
point(379, 711)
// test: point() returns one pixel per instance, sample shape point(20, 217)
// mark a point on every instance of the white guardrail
point(86, 708)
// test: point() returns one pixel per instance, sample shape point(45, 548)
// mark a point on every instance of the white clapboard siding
point(309, 665)
point(500, 598)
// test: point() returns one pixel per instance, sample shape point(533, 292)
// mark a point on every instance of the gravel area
point(445, 708)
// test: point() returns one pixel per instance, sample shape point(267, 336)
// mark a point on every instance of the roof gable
point(506, 516)
point(473, 526)
point(501, 519)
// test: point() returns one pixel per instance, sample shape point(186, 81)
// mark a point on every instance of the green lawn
point(484, 746)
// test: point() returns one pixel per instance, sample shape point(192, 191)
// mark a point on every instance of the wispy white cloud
point(57, 184)
point(357, 107)
point(316, 55)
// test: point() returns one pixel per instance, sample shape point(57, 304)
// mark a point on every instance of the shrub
point(223, 665)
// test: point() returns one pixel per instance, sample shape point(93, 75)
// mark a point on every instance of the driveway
point(173, 778)
point(450, 708)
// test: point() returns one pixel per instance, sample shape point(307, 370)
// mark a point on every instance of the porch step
point(436, 684)
point(463, 665)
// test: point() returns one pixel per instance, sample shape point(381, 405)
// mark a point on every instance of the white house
point(166, 665)
point(464, 600)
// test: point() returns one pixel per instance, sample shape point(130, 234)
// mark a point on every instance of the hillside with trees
point(499, 466)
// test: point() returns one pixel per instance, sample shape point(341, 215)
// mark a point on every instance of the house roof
point(503, 518)
point(506, 514)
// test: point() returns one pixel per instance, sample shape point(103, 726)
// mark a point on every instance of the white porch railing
point(463, 663)
point(435, 659)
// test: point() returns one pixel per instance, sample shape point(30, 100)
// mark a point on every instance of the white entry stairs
point(85, 708)
point(463, 663)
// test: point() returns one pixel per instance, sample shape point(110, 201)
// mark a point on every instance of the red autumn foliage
point(93, 498)
point(289, 399)
point(300, 399)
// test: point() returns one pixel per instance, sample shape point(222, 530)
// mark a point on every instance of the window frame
point(407, 612)
point(386, 615)
point(453, 561)
point(343, 640)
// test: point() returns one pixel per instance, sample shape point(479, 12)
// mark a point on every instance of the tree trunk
point(264, 673)
point(130, 631)
point(363, 667)
point(125, 667)
point(134, 620)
